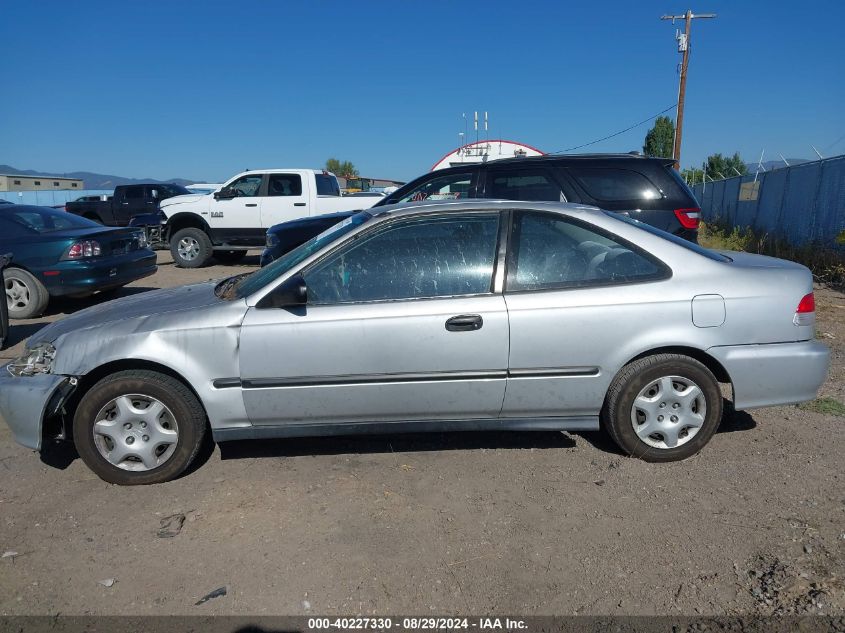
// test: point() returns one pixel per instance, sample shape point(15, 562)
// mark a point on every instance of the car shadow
point(394, 443)
point(733, 420)
point(67, 305)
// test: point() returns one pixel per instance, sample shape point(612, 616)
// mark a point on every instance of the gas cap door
point(708, 310)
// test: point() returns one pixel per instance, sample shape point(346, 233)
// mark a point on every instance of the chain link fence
point(802, 204)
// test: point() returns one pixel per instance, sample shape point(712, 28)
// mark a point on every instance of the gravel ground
point(534, 523)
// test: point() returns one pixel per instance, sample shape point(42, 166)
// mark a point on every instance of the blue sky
point(203, 90)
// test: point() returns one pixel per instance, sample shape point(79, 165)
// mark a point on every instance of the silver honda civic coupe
point(429, 316)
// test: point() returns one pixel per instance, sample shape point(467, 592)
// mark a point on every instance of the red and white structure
point(484, 151)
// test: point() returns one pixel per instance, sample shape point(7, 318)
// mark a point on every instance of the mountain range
point(93, 180)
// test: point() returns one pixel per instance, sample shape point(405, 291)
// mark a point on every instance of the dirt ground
point(534, 523)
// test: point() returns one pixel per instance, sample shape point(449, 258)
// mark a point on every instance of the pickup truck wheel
point(93, 217)
point(229, 257)
point(190, 248)
point(26, 297)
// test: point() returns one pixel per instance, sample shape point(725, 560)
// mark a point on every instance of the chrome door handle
point(464, 323)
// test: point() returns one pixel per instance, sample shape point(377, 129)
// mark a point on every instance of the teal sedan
point(55, 253)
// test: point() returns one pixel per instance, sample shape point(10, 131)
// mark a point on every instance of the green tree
point(661, 138)
point(716, 167)
point(341, 168)
point(719, 167)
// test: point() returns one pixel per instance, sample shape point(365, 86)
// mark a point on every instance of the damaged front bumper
point(26, 402)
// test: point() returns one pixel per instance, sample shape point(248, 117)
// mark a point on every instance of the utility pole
point(683, 48)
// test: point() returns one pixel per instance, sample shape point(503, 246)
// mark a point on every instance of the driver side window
point(420, 258)
point(451, 187)
point(246, 186)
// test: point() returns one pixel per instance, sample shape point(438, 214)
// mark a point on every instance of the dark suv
point(646, 189)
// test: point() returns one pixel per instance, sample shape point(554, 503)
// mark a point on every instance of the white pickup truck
point(228, 222)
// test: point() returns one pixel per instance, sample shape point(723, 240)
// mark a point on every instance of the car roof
point(436, 206)
point(561, 158)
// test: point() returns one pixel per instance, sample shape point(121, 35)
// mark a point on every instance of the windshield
point(706, 252)
point(260, 278)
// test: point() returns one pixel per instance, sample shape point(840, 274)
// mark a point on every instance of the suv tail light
point(86, 248)
point(689, 218)
point(805, 313)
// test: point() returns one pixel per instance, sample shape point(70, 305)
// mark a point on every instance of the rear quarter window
point(327, 185)
point(692, 246)
point(610, 184)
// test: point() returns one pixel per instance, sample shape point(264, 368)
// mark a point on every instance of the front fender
point(26, 401)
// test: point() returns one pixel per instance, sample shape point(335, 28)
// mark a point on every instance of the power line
point(627, 129)
point(836, 142)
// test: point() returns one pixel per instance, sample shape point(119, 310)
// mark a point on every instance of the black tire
point(31, 297)
point(4, 314)
point(198, 239)
point(93, 217)
point(186, 410)
point(229, 257)
point(636, 376)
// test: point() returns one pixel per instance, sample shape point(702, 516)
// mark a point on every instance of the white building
point(484, 151)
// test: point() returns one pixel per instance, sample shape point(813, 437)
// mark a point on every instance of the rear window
point(706, 252)
point(684, 187)
point(327, 185)
point(36, 220)
point(609, 184)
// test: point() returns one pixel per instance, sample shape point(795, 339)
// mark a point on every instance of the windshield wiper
point(223, 289)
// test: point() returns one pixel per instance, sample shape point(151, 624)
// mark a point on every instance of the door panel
point(385, 361)
point(240, 212)
point(567, 345)
point(286, 199)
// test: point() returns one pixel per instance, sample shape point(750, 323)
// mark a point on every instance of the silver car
point(429, 316)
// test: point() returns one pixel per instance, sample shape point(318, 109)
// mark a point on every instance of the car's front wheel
point(138, 427)
point(663, 408)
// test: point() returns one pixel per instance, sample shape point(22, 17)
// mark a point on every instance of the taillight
point(86, 248)
point(689, 218)
point(805, 313)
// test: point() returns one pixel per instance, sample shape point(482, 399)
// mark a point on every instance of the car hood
point(145, 304)
point(193, 197)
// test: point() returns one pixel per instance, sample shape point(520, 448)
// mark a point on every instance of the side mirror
point(290, 293)
point(226, 193)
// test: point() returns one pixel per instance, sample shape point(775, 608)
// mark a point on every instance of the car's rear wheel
point(663, 408)
point(190, 248)
point(26, 297)
point(138, 427)
point(229, 257)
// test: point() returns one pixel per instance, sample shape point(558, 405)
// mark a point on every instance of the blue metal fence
point(803, 203)
point(48, 198)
